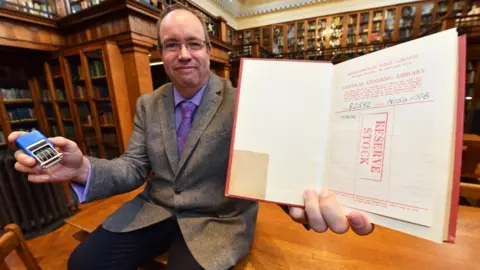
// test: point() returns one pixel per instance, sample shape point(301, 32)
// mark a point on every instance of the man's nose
point(184, 53)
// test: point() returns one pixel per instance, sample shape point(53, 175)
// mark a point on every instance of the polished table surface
point(471, 138)
point(281, 243)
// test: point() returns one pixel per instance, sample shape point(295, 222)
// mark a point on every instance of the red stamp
point(371, 146)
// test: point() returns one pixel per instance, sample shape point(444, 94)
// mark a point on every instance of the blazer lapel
point(167, 122)
point(211, 100)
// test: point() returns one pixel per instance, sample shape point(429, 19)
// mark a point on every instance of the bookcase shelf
point(96, 113)
point(18, 109)
point(388, 24)
point(73, 93)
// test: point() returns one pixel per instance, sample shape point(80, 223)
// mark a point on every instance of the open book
point(383, 131)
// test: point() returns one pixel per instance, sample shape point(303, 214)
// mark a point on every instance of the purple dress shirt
point(80, 190)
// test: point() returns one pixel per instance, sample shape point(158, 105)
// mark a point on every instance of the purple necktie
point(187, 109)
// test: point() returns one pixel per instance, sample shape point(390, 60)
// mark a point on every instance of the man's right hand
point(73, 166)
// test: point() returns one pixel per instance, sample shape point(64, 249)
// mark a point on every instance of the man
point(182, 135)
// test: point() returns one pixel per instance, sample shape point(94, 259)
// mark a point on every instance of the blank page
point(280, 130)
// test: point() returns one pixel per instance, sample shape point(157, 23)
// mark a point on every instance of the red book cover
point(452, 226)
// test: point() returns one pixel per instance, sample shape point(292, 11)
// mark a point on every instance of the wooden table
point(471, 138)
point(281, 243)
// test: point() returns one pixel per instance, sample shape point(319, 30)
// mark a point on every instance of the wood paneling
point(137, 74)
point(98, 31)
point(120, 97)
point(26, 35)
point(219, 55)
point(143, 26)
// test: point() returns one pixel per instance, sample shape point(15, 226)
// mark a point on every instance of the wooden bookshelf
point(18, 106)
point(98, 99)
point(350, 31)
point(76, 94)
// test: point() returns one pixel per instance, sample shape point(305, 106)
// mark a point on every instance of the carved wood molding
point(20, 16)
point(131, 24)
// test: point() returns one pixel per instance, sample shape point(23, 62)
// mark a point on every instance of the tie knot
point(187, 109)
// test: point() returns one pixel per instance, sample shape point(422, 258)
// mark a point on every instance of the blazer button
point(177, 191)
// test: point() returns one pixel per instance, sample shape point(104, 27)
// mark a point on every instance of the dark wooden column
point(136, 62)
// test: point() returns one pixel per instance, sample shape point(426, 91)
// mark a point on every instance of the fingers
point(359, 223)
point(27, 169)
point(24, 159)
point(39, 178)
point(64, 144)
point(313, 211)
point(332, 212)
point(298, 214)
point(14, 135)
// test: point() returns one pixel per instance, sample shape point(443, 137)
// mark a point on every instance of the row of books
point(77, 73)
point(80, 92)
point(40, 8)
point(106, 118)
point(55, 130)
point(96, 68)
point(69, 131)
point(14, 93)
point(86, 120)
point(100, 92)
point(105, 114)
point(2, 138)
point(59, 93)
point(65, 113)
point(25, 129)
point(19, 114)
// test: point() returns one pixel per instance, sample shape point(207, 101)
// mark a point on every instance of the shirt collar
point(195, 99)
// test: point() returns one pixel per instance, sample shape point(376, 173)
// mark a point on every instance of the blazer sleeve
point(126, 173)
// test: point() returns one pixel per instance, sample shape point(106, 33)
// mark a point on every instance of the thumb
point(64, 144)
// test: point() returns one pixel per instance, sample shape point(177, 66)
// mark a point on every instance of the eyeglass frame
point(203, 42)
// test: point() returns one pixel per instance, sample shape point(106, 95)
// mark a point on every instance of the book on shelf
point(2, 138)
point(46, 96)
point(19, 114)
point(96, 68)
point(15, 94)
point(80, 92)
point(382, 131)
point(60, 95)
point(25, 129)
point(100, 92)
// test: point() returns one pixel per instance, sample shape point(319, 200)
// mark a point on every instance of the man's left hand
point(322, 211)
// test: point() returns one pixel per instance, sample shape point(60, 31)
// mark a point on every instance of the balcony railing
point(43, 8)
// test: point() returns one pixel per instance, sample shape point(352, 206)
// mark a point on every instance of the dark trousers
point(118, 251)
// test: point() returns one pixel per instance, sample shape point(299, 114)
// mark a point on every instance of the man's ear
point(209, 49)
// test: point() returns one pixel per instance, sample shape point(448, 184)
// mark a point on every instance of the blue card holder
point(36, 145)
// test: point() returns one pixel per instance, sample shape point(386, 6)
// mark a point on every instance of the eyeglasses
point(191, 45)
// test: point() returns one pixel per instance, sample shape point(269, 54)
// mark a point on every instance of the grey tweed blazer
point(218, 230)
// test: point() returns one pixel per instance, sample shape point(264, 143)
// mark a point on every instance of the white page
point(281, 127)
point(391, 133)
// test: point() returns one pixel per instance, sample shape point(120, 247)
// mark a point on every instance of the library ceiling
point(252, 7)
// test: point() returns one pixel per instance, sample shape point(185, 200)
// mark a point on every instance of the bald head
point(182, 9)
point(185, 50)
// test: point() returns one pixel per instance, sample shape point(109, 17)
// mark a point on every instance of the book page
point(280, 130)
point(391, 132)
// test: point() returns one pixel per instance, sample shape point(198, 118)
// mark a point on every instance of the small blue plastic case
point(39, 147)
